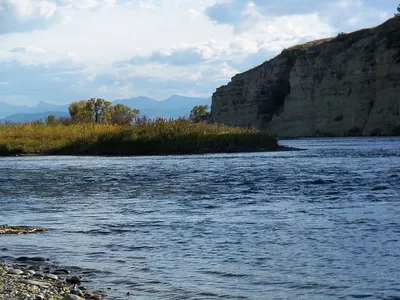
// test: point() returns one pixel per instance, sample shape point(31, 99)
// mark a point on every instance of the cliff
point(348, 85)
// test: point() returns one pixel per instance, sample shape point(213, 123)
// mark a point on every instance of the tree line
point(100, 111)
point(95, 110)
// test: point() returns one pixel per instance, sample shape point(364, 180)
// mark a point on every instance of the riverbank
point(32, 281)
point(156, 138)
point(33, 278)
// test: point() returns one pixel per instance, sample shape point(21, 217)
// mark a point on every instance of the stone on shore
point(37, 283)
point(15, 272)
point(73, 297)
point(20, 282)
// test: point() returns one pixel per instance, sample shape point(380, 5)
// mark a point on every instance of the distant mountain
point(138, 102)
point(45, 107)
point(172, 107)
point(7, 109)
point(10, 109)
point(23, 118)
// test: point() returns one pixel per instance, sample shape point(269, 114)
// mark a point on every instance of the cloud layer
point(65, 50)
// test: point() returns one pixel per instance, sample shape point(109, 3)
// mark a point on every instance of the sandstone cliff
point(348, 85)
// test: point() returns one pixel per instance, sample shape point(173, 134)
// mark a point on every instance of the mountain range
point(172, 107)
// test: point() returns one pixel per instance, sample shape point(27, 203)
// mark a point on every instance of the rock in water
point(61, 272)
point(347, 85)
point(6, 229)
point(74, 280)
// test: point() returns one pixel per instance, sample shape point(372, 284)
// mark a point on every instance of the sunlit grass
point(160, 137)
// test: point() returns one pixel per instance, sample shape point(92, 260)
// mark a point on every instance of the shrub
point(151, 137)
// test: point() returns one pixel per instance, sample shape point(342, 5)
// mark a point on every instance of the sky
point(60, 51)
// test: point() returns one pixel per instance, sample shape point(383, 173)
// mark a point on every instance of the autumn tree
point(99, 109)
point(79, 112)
point(122, 114)
point(199, 113)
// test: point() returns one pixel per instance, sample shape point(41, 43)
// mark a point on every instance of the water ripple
point(315, 224)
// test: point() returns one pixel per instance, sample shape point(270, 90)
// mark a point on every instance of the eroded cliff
point(348, 85)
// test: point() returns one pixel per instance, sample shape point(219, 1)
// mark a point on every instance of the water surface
point(322, 223)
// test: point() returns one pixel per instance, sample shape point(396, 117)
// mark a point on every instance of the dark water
point(323, 223)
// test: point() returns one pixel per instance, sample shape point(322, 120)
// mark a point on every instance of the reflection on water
point(322, 223)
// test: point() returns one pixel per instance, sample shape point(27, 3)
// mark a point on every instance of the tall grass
point(159, 137)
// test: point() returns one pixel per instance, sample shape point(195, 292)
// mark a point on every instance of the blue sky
point(61, 51)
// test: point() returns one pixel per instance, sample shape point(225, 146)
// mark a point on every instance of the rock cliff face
point(348, 85)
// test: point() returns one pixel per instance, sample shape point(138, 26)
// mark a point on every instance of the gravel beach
point(28, 282)
point(33, 278)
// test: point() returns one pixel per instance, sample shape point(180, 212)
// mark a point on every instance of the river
point(321, 223)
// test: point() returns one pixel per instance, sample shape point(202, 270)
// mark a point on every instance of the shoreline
point(34, 278)
point(28, 278)
point(205, 152)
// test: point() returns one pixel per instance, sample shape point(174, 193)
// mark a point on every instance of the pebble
point(24, 296)
point(76, 292)
point(88, 295)
point(15, 272)
point(33, 282)
point(73, 297)
point(51, 276)
point(29, 272)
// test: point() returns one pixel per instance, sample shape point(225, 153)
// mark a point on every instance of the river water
point(323, 223)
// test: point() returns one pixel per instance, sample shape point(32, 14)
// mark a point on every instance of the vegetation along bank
point(159, 137)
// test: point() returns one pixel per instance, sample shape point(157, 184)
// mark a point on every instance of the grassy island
point(159, 137)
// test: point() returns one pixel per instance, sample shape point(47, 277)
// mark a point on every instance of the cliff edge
point(347, 85)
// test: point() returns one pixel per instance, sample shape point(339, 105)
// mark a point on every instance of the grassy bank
point(156, 138)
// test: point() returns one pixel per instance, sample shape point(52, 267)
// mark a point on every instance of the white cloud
point(26, 9)
point(348, 3)
point(114, 33)
point(96, 37)
point(226, 71)
point(26, 49)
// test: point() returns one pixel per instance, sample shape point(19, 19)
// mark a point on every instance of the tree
point(199, 113)
point(79, 113)
point(89, 111)
point(122, 114)
point(398, 11)
point(99, 109)
point(51, 119)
